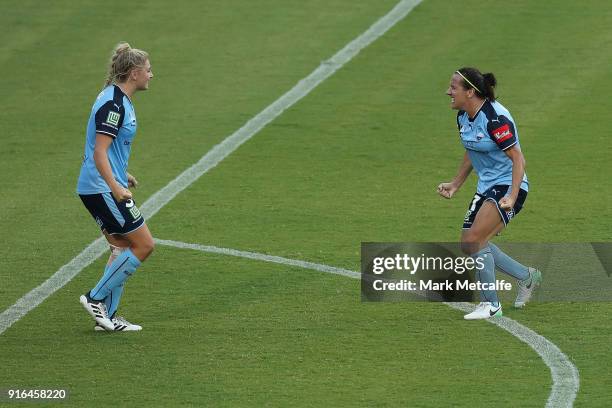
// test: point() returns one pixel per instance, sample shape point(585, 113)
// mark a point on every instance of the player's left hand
point(507, 203)
point(132, 182)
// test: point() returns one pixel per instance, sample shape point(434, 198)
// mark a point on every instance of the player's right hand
point(122, 194)
point(447, 190)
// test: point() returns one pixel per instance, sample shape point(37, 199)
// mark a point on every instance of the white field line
point(219, 152)
point(300, 90)
point(60, 278)
point(564, 386)
point(565, 378)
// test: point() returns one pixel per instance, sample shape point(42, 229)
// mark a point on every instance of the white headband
point(468, 81)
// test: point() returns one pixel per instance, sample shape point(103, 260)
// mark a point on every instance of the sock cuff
point(133, 258)
point(483, 251)
point(493, 247)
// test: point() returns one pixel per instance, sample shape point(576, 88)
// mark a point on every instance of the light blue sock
point(121, 269)
point(112, 300)
point(507, 264)
point(486, 274)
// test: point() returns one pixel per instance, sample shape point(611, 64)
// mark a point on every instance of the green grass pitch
point(356, 160)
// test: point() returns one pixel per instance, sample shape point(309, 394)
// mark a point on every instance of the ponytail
point(483, 84)
point(123, 61)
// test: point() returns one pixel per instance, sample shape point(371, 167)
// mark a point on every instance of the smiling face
point(458, 94)
point(142, 76)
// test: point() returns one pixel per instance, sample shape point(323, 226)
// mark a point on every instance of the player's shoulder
point(494, 115)
point(500, 125)
point(110, 95)
point(493, 111)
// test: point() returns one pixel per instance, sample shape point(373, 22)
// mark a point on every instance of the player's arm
point(447, 190)
point(503, 133)
point(103, 142)
point(464, 171)
point(109, 119)
point(518, 171)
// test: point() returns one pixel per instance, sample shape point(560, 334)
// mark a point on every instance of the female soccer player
point(490, 138)
point(104, 181)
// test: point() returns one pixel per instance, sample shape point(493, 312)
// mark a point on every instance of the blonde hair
point(123, 60)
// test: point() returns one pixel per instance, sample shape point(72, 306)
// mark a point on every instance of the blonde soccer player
point(104, 184)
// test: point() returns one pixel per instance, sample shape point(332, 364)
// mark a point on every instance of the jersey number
point(474, 202)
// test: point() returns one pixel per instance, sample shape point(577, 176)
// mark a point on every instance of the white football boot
point(97, 310)
point(121, 324)
point(484, 310)
point(525, 291)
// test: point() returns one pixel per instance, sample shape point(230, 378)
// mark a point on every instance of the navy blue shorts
point(494, 194)
point(113, 216)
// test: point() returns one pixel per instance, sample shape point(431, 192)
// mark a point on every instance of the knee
point(148, 247)
point(470, 244)
point(143, 249)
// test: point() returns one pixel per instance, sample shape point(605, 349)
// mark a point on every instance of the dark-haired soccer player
point(489, 135)
point(104, 181)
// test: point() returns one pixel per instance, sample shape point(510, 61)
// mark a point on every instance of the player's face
point(457, 93)
point(142, 76)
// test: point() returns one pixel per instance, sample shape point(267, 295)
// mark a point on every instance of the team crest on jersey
point(502, 133)
point(113, 118)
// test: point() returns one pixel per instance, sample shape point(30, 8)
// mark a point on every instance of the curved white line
point(564, 386)
point(211, 159)
point(565, 378)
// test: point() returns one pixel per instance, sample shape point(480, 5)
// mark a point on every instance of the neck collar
point(471, 119)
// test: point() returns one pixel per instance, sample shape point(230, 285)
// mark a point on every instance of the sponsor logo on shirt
point(502, 133)
point(113, 118)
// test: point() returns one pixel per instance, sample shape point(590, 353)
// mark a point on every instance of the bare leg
point(488, 222)
point(140, 242)
point(474, 242)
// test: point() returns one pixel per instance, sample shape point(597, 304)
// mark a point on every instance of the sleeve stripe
point(507, 147)
point(106, 133)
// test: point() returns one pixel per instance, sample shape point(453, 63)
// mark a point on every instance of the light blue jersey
point(485, 138)
point(112, 115)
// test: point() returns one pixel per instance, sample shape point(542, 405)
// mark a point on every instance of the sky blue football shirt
point(112, 115)
point(485, 138)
